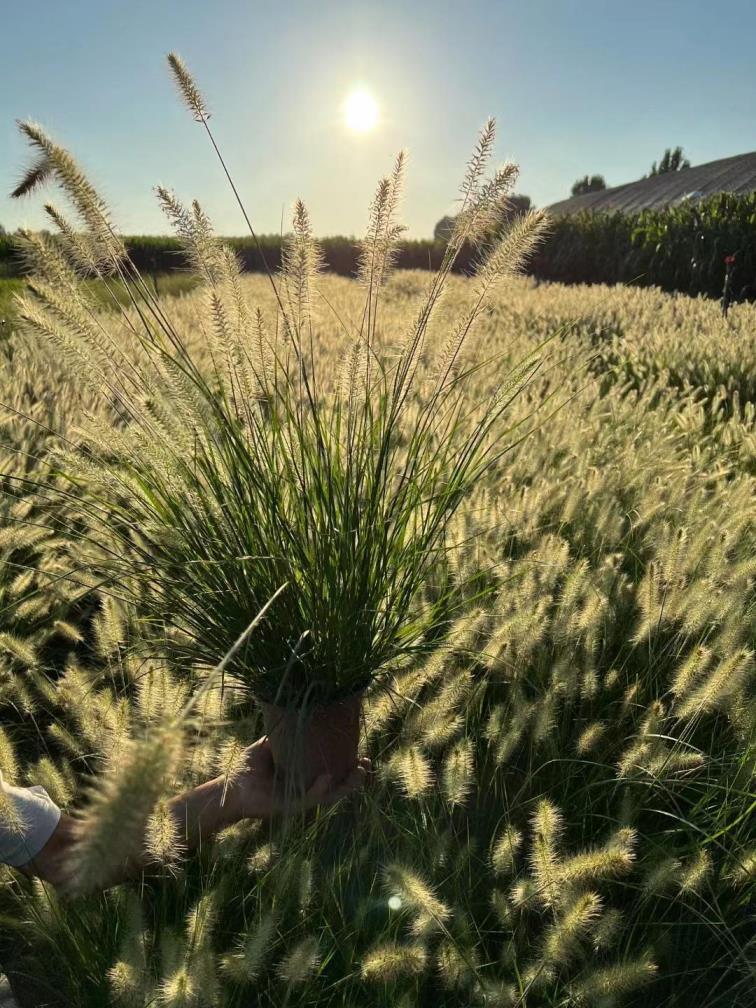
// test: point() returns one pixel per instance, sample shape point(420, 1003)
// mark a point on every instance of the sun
point(360, 111)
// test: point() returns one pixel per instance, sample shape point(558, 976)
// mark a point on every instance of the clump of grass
point(227, 482)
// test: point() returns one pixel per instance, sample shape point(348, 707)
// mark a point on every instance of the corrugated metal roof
point(733, 175)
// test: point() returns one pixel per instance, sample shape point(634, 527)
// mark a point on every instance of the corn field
point(678, 248)
point(562, 809)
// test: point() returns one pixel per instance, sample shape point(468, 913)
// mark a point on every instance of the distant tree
point(516, 204)
point(585, 185)
point(520, 203)
point(672, 160)
point(443, 230)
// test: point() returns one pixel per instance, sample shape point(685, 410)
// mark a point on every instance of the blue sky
point(577, 86)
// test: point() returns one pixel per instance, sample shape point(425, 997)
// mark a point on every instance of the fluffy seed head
point(458, 775)
point(505, 850)
point(301, 962)
point(187, 88)
point(392, 962)
point(415, 892)
point(611, 981)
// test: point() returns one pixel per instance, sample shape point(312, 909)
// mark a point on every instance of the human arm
point(202, 811)
point(253, 794)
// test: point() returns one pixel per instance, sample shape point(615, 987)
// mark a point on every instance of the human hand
point(257, 793)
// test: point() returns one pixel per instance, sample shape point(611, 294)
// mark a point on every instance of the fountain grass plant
point(227, 478)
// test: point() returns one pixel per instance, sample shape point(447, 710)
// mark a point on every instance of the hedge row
point(682, 248)
point(161, 254)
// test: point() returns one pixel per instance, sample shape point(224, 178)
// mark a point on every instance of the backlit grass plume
point(122, 811)
point(233, 473)
point(392, 962)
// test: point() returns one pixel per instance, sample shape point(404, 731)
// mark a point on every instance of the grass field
point(8, 287)
point(562, 812)
point(166, 284)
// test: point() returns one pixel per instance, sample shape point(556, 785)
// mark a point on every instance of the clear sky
point(577, 86)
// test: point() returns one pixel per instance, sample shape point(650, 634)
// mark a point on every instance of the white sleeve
point(28, 818)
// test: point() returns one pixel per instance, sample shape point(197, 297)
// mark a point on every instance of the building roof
point(732, 175)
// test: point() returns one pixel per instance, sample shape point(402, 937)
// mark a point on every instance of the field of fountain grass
point(562, 809)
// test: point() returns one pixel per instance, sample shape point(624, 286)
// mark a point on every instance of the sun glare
point(360, 111)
